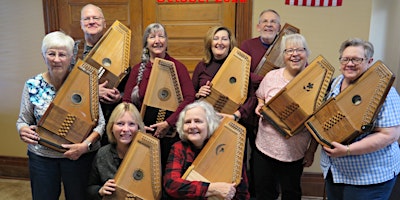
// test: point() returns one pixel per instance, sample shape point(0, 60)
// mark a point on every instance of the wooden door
point(186, 23)
point(65, 15)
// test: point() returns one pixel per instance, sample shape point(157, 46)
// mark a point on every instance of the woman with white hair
point(196, 123)
point(277, 157)
point(47, 167)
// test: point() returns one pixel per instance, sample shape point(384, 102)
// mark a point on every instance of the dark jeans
point(46, 175)
point(251, 132)
point(268, 172)
point(340, 191)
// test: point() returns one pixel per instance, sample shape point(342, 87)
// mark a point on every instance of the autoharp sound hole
point(138, 174)
point(232, 80)
point(220, 149)
point(106, 62)
point(356, 99)
point(164, 94)
point(76, 98)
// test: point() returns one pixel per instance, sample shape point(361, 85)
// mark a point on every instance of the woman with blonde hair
point(125, 121)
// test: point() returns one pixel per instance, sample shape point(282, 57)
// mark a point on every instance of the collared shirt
point(372, 168)
point(80, 51)
point(265, 44)
point(181, 157)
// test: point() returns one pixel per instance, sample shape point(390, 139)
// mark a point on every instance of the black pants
point(248, 156)
point(268, 172)
point(165, 147)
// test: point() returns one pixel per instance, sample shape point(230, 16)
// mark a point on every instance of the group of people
point(367, 168)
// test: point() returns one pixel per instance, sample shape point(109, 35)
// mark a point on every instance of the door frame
point(244, 11)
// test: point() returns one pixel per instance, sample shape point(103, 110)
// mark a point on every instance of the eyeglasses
point(291, 51)
point(95, 19)
point(355, 61)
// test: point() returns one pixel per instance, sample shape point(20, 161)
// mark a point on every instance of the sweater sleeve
point(94, 182)
point(248, 107)
point(26, 116)
point(130, 83)
point(242, 190)
point(174, 185)
point(196, 76)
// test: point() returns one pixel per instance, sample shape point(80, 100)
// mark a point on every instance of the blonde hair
point(117, 113)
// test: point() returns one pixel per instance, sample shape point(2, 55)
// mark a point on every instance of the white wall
point(385, 34)
point(22, 31)
point(326, 28)
point(20, 39)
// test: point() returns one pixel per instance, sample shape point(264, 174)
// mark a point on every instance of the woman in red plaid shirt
point(196, 123)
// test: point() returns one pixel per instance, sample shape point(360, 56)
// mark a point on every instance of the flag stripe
point(314, 3)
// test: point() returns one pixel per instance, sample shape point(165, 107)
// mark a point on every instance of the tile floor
point(11, 189)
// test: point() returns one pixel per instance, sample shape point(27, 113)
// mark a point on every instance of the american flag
point(314, 2)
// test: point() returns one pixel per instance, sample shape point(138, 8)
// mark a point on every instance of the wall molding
point(313, 184)
point(17, 168)
point(14, 167)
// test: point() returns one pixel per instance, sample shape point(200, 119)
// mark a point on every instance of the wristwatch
point(235, 117)
point(89, 145)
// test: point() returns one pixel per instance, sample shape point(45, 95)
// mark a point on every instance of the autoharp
point(139, 175)
point(272, 58)
point(354, 110)
point(229, 86)
point(111, 54)
point(221, 159)
point(163, 94)
point(296, 102)
point(74, 112)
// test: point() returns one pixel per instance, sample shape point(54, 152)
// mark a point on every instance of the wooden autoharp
point(74, 112)
point(163, 94)
point(229, 86)
point(111, 54)
point(272, 58)
point(354, 110)
point(221, 159)
point(139, 175)
point(296, 102)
